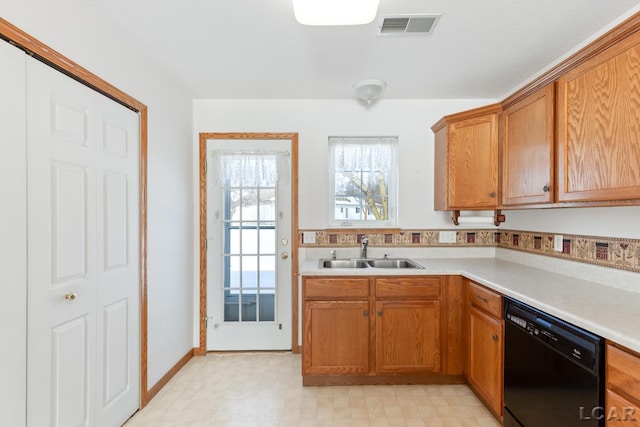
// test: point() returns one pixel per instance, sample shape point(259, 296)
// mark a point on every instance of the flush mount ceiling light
point(369, 90)
point(335, 12)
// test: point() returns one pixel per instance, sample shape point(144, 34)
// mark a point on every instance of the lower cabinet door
point(407, 337)
point(335, 337)
point(485, 358)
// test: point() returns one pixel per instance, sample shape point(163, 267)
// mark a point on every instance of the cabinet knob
point(545, 188)
point(492, 194)
point(70, 296)
point(494, 337)
point(379, 312)
point(365, 313)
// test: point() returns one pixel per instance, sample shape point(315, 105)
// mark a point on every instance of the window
point(363, 187)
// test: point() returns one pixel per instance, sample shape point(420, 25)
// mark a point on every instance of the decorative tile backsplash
point(611, 252)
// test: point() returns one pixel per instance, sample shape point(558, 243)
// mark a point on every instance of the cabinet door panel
point(473, 163)
point(408, 336)
point(528, 149)
point(485, 357)
point(335, 337)
point(598, 122)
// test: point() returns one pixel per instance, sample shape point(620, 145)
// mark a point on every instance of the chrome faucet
point(333, 254)
point(363, 248)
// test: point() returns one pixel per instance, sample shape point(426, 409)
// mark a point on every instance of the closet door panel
point(13, 237)
point(62, 241)
point(118, 276)
point(84, 272)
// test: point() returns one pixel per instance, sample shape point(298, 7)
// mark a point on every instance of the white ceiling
point(254, 49)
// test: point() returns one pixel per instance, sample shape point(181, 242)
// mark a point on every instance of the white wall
point(69, 27)
point(316, 120)
point(602, 221)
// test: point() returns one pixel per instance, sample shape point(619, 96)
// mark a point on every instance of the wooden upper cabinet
point(528, 149)
point(466, 160)
point(598, 143)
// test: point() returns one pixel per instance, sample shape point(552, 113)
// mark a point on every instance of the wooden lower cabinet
point(485, 358)
point(484, 329)
point(337, 336)
point(622, 400)
point(408, 336)
point(381, 330)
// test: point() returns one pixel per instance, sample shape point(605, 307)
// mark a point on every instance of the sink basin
point(343, 263)
point(393, 263)
point(369, 263)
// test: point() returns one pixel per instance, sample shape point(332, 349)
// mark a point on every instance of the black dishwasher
point(553, 371)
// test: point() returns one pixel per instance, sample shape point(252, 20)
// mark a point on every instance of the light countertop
point(607, 311)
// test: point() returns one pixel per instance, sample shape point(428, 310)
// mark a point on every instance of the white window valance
point(250, 168)
point(362, 153)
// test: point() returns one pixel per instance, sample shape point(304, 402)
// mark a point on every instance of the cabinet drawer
point(486, 300)
point(408, 287)
point(335, 288)
point(620, 412)
point(623, 372)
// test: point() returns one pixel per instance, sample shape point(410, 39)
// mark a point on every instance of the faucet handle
point(333, 254)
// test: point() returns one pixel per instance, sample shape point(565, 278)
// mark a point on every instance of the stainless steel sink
point(343, 263)
point(369, 263)
point(393, 263)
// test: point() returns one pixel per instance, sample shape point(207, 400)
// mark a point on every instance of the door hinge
point(206, 165)
point(279, 325)
point(206, 245)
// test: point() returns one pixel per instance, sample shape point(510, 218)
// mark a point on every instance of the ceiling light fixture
point(369, 90)
point(335, 12)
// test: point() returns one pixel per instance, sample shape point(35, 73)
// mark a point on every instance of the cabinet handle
point(481, 298)
point(379, 312)
point(365, 313)
point(494, 337)
point(545, 188)
point(70, 296)
point(492, 194)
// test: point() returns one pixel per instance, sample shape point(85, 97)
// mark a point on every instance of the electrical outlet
point(557, 242)
point(447, 237)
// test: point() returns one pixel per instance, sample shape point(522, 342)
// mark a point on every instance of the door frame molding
point(293, 137)
point(54, 59)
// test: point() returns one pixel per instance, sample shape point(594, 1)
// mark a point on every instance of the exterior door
point(248, 241)
point(83, 269)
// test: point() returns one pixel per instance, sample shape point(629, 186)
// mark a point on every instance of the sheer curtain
point(250, 168)
point(362, 153)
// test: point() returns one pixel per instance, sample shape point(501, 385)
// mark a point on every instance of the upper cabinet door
point(598, 146)
point(473, 163)
point(528, 149)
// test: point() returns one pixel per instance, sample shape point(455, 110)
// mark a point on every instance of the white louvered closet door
point(83, 267)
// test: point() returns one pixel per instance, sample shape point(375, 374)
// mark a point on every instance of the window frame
point(392, 184)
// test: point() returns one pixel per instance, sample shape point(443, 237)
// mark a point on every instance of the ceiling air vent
point(408, 24)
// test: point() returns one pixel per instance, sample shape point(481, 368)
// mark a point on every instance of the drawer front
point(484, 299)
point(623, 372)
point(620, 412)
point(335, 288)
point(408, 287)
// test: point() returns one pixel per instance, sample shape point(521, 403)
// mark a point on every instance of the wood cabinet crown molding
point(468, 114)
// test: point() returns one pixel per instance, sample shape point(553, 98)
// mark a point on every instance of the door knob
point(284, 255)
point(70, 296)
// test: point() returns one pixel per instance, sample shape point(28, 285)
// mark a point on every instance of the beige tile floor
point(265, 389)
